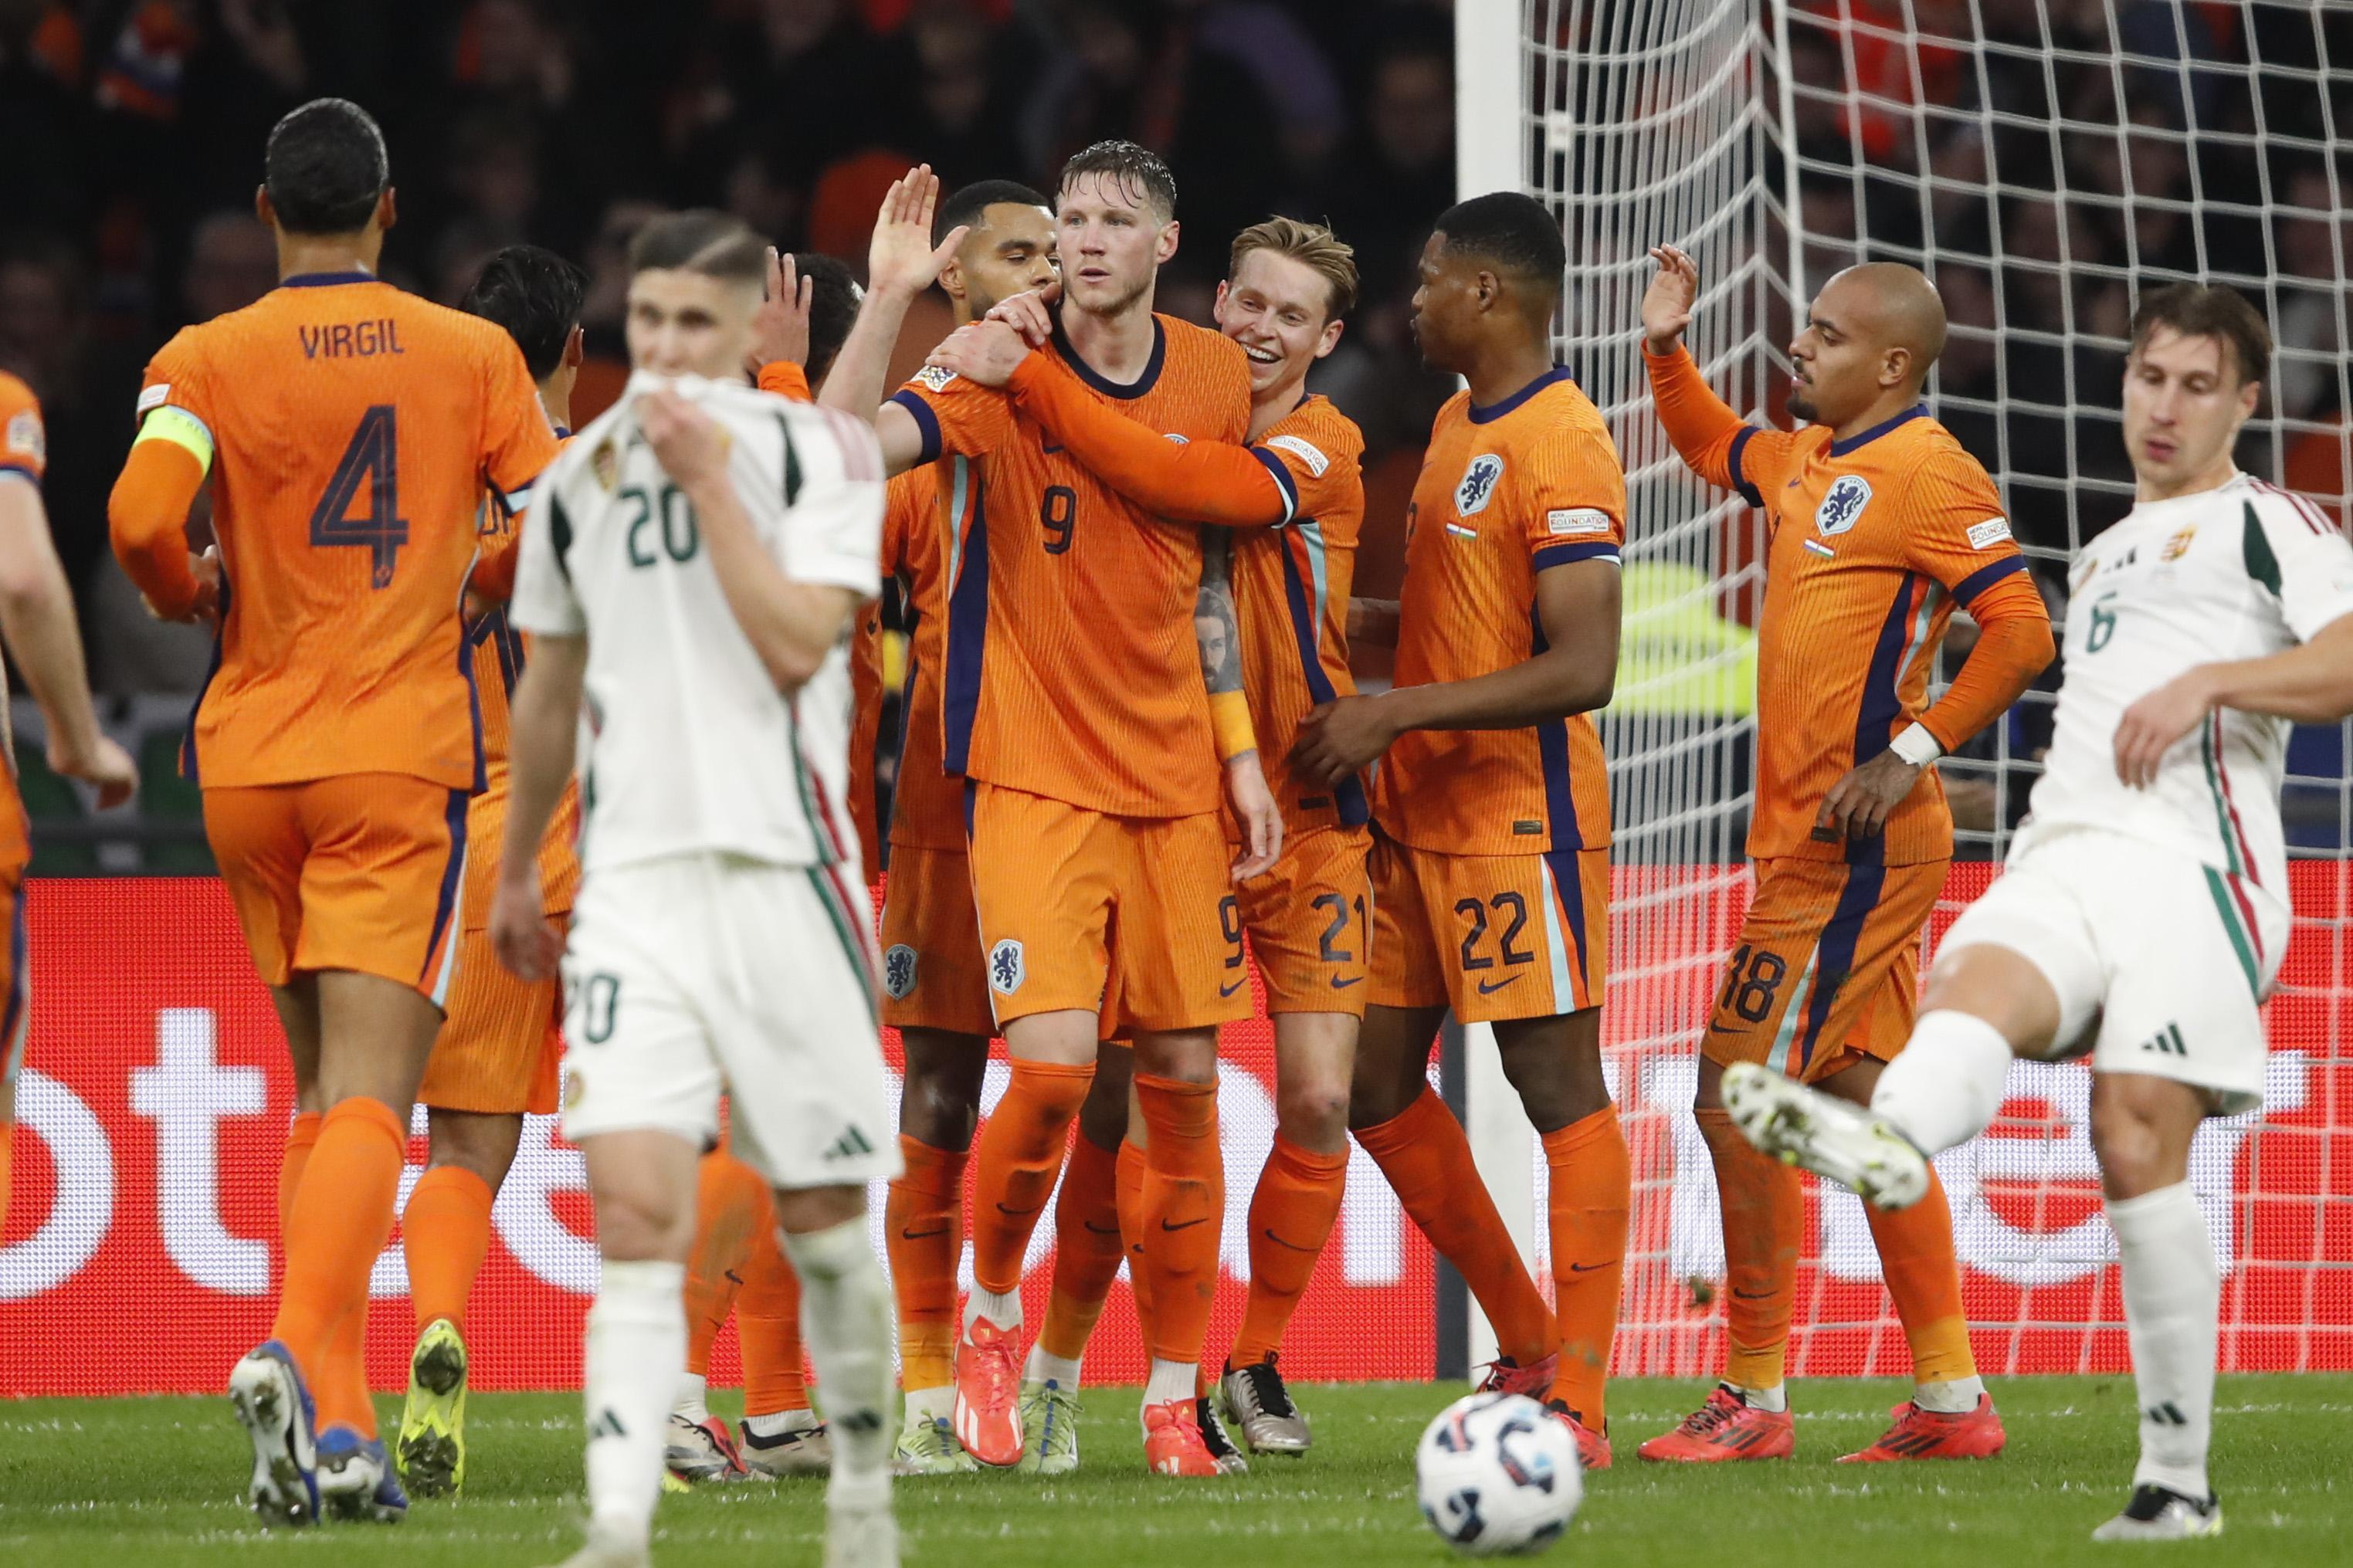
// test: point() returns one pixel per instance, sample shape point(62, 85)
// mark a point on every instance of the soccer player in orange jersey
point(935, 985)
point(1073, 705)
point(1295, 494)
point(501, 1042)
point(349, 431)
point(36, 618)
point(1490, 865)
point(1881, 525)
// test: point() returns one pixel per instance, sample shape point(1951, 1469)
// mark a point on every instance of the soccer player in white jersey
point(2144, 909)
point(691, 571)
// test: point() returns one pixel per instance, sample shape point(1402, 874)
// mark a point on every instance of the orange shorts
point(932, 977)
point(1066, 895)
point(501, 1048)
point(1492, 936)
point(1309, 922)
point(1827, 968)
point(360, 871)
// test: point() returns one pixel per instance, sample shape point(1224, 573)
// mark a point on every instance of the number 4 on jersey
point(373, 458)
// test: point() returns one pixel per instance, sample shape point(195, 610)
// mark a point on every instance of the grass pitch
point(140, 1483)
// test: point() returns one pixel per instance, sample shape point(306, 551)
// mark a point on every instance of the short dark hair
point(968, 205)
point(535, 295)
point(833, 307)
point(1514, 231)
point(715, 244)
point(2209, 311)
point(326, 168)
point(1139, 172)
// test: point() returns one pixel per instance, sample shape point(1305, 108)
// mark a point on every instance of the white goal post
point(2044, 161)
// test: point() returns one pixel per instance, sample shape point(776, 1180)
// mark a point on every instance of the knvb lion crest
point(899, 970)
point(1841, 509)
point(1478, 486)
point(1006, 968)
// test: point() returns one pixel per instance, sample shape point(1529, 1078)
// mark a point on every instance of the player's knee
point(936, 1111)
point(642, 1224)
point(1313, 1115)
point(2129, 1135)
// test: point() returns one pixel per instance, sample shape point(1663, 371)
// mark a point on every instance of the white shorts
point(695, 975)
point(2160, 963)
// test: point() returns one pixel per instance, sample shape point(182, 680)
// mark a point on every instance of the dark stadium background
point(131, 134)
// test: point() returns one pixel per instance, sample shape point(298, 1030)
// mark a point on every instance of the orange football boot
point(1592, 1447)
point(1173, 1444)
point(989, 1393)
point(1932, 1435)
point(1727, 1427)
point(1505, 1375)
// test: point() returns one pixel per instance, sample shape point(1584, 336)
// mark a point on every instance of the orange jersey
point(1291, 595)
point(352, 428)
point(1505, 492)
point(1872, 541)
point(1072, 671)
point(24, 459)
point(924, 523)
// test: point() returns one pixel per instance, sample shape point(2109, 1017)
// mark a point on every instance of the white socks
point(1001, 1308)
point(1948, 1082)
point(1061, 1371)
point(1957, 1398)
point(692, 1398)
point(1774, 1400)
point(636, 1343)
point(931, 1404)
point(1171, 1380)
point(2173, 1290)
point(778, 1423)
point(847, 1320)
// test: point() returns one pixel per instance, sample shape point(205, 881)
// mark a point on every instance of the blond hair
point(1312, 245)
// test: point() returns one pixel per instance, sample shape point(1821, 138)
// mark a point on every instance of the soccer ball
point(1497, 1475)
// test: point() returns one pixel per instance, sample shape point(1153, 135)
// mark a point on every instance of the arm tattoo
point(1216, 628)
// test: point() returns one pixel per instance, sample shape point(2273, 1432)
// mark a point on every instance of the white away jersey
point(2237, 572)
point(693, 749)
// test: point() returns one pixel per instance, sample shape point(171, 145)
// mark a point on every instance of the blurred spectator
point(232, 262)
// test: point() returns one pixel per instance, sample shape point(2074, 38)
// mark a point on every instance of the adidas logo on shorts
point(849, 1145)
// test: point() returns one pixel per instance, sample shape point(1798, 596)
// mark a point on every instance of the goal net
point(2044, 161)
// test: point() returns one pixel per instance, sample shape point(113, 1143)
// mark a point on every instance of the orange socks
point(1014, 1163)
point(768, 1323)
point(730, 1207)
point(924, 1234)
point(445, 1233)
point(1424, 1152)
point(1087, 1249)
point(1592, 1185)
point(1764, 1225)
point(1183, 1207)
point(1130, 1185)
point(339, 1218)
point(302, 1137)
point(1291, 1216)
point(1916, 1257)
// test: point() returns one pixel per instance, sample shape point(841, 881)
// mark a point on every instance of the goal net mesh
point(2043, 161)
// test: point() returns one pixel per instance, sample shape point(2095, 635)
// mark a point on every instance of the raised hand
point(986, 352)
point(780, 328)
point(1667, 303)
point(901, 259)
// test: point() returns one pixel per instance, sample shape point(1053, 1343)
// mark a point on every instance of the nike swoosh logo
point(1225, 990)
point(1340, 985)
point(1752, 1295)
point(1018, 1214)
point(920, 1234)
point(1100, 1229)
point(1588, 1268)
point(1487, 987)
point(1187, 1226)
point(732, 1275)
point(1291, 1245)
point(1049, 447)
